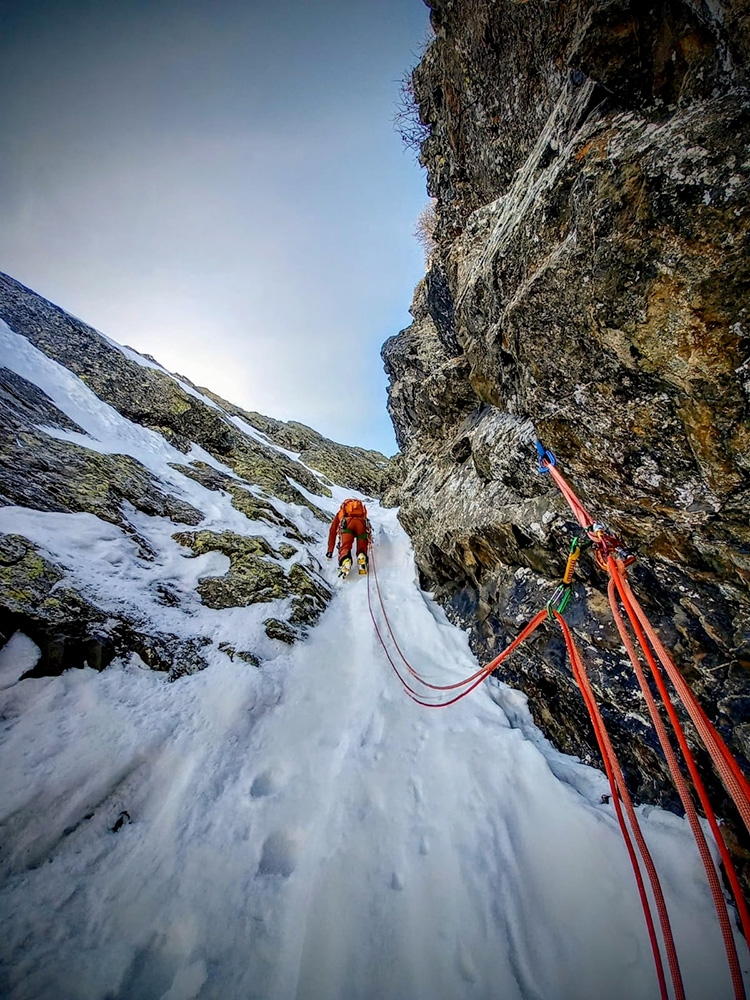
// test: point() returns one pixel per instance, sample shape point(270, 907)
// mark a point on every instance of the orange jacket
point(359, 526)
point(332, 534)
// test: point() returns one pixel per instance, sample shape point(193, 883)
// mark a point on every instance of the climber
point(350, 522)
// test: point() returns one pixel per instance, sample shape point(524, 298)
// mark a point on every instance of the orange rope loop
point(468, 683)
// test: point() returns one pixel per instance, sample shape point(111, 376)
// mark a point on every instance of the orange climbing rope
point(467, 683)
point(725, 763)
point(611, 556)
point(682, 789)
point(607, 556)
point(620, 792)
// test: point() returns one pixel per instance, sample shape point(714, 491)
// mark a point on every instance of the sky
point(219, 184)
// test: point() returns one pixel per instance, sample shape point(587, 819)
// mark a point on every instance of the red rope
point(682, 789)
point(620, 791)
point(724, 761)
point(735, 782)
point(614, 771)
point(409, 667)
point(474, 680)
point(575, 504)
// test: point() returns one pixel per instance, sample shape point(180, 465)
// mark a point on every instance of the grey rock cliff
point(589, 285)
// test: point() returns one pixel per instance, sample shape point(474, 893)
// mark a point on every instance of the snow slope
point(301, 830)
point(305, 831)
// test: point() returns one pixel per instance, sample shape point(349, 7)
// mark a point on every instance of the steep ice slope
point(304, 830)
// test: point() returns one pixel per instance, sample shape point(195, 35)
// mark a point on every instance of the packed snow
point(301, 830)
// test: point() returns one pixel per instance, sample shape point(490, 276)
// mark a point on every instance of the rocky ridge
point(203, 480)
point(590, 164)
point(355, 468)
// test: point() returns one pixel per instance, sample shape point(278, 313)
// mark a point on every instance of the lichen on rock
point(277, 629)
point(254, 508)
point(69, 627)
point(242, 654)
point(310, 597)
point(255, 576)
point(252, 576)
point(40, 471)
point(356, 468)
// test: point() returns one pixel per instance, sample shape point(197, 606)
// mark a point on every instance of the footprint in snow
point(279, 855)
point(416, 789)
point(466, 968)
point(397, 881)
point(268, 782)
point(373, 735)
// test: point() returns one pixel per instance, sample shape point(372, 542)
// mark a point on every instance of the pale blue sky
point(219, 184)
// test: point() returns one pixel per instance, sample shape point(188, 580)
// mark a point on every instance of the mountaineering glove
point(329, 555)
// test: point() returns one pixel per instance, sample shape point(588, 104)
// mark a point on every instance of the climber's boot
point(362, 563)
point(345, 565)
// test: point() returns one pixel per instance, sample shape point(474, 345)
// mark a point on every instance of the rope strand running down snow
point(474, 680)
point(620, 793)
point(708, 863)
point(612, 766)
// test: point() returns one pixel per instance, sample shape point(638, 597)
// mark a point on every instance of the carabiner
point(545, 455)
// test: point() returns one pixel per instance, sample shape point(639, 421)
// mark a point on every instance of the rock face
point(200, 480)
point(254, 578)
point(589, 285)
point(355, 468)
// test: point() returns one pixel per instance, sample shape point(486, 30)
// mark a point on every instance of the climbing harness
point(611, 555)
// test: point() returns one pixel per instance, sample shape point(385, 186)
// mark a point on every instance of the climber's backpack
point(353, 508)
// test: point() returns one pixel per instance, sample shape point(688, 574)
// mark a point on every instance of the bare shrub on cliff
point(406, 120)
point(424, 231)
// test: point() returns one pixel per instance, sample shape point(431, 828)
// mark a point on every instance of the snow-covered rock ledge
point(141, 514)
